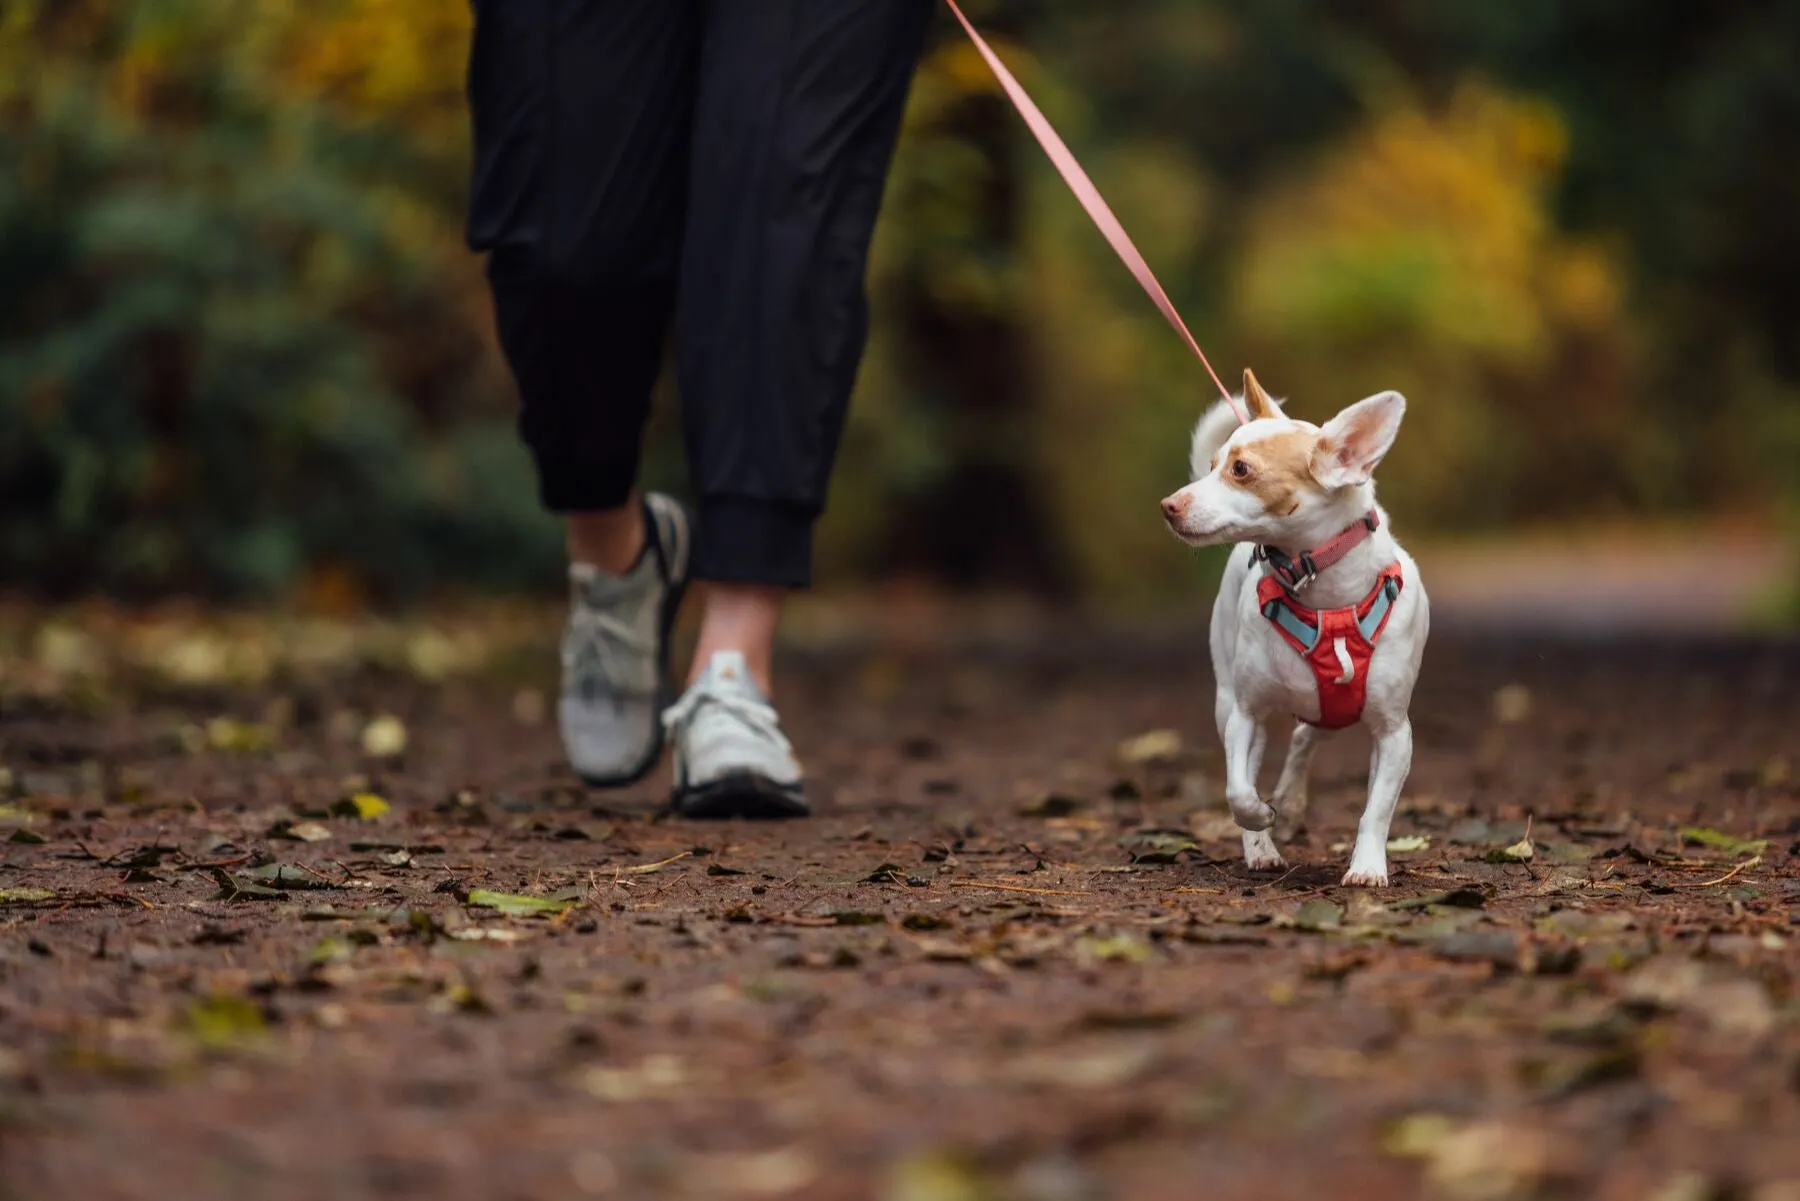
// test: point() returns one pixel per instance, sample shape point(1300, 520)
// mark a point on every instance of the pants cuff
point(744, 541)
point(584, 485)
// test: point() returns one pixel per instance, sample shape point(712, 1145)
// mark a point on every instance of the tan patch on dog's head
point(1276, 469)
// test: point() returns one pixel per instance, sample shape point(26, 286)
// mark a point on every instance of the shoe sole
point(671, 607)
point(740, 794)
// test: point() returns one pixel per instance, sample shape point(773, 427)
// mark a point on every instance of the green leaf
point(238, 888)
point(27, 836)
point(223, 1022)
point(332, 950)
point(284, 876)
point(938, 1176)
point(1730, 844)
point(1160, 846)
point(1119, 948)
point(1411, 842)
point(25, 896)
point(1319, 914)
point(1521, 851)
point(1457, 898)
point(1417, 1136)
point(517, 905)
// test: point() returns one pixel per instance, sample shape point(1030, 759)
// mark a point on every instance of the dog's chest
point(1271, 676)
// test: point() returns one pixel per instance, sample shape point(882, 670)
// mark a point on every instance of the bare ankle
point(742, 618)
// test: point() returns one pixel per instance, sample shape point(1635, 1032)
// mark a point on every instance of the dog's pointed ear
point(1353, 443)
point(1256, 401)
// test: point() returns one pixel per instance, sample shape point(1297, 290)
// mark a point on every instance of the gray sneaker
point(731, 758)
point(615, 653)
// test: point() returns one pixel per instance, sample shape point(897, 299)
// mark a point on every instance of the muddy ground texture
point(355, 933)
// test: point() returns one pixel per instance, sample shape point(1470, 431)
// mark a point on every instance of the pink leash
point(1091, 200)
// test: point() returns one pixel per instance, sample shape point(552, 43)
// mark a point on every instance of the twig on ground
point(643, 869)
point(204, 865)
point(1748, 863)
point(1048, 892)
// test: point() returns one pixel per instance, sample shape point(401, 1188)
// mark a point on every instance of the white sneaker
point(615, 653)
point(731, 758)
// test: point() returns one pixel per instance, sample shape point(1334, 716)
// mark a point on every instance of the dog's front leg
point(1389, 764)
point(1245, 738)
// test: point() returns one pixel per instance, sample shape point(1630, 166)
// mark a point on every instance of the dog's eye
point(1239, 469)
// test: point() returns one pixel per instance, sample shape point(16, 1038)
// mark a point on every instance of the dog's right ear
point(1256, 401)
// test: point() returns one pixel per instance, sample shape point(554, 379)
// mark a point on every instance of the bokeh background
point(245, 356)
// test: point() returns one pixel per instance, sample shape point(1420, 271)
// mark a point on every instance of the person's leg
point(582, 111)
point(798, 108)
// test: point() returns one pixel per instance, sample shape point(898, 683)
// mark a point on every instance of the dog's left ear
point(1354, 442)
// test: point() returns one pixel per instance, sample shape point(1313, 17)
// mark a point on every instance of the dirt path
point(1004, 962)
point(1598, 580)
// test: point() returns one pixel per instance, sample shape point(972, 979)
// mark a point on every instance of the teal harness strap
point(1371, 621)
point(1280, 611)
point(1284, 616)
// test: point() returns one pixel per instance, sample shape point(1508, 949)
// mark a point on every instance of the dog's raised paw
point(1252, 814)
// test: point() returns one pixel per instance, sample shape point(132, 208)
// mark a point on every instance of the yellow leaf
point(364, 805)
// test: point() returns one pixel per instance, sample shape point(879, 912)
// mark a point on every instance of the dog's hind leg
point(1291, 790)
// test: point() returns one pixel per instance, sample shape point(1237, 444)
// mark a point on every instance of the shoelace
point(736, 703)
point(600, 645)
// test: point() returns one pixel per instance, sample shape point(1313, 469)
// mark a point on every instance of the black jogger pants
point(713, 167)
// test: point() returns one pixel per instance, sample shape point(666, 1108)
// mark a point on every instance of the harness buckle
point(1295, 573)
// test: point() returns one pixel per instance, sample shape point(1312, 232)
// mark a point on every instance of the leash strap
point(1091, 200)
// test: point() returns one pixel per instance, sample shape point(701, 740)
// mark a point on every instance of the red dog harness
point(1336, 643)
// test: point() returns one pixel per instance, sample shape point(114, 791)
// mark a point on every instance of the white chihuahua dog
point(1321, 615)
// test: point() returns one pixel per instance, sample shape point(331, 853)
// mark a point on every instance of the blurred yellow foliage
point(1421, 254)
point(378, 58)
point(1430, 225)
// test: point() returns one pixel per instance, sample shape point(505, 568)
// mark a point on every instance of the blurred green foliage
point(242, 349)
point(238, 338)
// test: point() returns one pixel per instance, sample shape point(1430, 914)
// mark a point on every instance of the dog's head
point(1284, 482)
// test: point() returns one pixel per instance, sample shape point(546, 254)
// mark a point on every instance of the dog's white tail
point(1210, 433)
